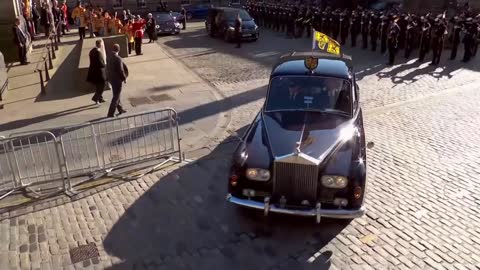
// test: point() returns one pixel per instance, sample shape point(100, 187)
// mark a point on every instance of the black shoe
point(102, 100)
point(25, 63)
point(96, 101)
point(121, 112)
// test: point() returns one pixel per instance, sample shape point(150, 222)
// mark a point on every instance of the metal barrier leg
point(42, 83)
point(54, 56)
point(50, 64)
point(56, 41)
point(47, 75)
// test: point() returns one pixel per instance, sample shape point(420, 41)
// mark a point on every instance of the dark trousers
point(130, 47)
point(99, 88)
point(453, 55)
point(383, 45)
point(115, 104)
point(184, 24)
point(437, 54)
point(46, 28)
point(468, 52)
point(353, 37)
point(238, 39)
point(408, 49)
point(392, 51)
point(35, 26)
point(138, 45)
point(81, 32)
point(373, 42)
point(22, 53)
point(365, 41)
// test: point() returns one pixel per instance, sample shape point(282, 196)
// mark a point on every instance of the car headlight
point(177, 24)
point(230, 28)
point(334, 181)
point(258, 174)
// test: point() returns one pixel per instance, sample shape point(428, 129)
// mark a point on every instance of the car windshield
point(309, 93)
point(163, 17)
point(232, 15)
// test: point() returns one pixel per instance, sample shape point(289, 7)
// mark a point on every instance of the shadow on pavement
point(184, 222)
point(17, 124)
point(62, 84)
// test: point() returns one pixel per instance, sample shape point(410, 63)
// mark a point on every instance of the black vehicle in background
point(166, 24)
point(220, 22)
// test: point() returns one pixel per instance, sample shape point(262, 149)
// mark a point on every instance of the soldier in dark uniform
point(468, 40)
point(373, 27)
point(291, 23)
point(365, 24)
point(393, 36)
point(344, 26)
point(438, 39)
point(457, 29)
point(308, 21)
point(238, 31)
point(476, 35)
point(424, 38)
point(335, 24)
point(299, 23)
point(402, 23)
point(354, 27)
point(317, 20)
point(384, 29)
point(410, 36)
point(325, 22)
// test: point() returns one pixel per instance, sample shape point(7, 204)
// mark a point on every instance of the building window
point(141, 4)
point(118, 4)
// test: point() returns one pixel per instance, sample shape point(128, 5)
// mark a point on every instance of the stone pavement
point(156, 81)
point(423, 207)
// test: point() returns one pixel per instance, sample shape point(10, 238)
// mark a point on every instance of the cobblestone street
point(423, 190)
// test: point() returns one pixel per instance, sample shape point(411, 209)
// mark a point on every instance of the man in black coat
point(150, 28)
point(20, 40)
point(35, 17)
point(184, 18)
point(96, 71)
point(117, 75)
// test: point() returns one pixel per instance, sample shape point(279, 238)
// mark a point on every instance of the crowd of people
point(101, 23)
point(391, 29)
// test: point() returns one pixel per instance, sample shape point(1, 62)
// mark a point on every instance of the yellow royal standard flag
point(325, 43)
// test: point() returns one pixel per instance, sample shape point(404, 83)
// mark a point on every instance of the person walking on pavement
point(96, 71)
point(151, 28)
point(184, 18)
point(20, 40)
point(78, 15)
point(117, 75)
point(65, 24)
point(238, 31)
point(437, 42)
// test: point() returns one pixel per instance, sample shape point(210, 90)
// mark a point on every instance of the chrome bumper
point(316, 212)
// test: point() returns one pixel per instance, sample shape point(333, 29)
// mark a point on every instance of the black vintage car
point(305, 152)
point(220, 22)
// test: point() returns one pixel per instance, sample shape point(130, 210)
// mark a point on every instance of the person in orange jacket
point(128, 30)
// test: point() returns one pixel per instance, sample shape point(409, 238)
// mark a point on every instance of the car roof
point(329, 65)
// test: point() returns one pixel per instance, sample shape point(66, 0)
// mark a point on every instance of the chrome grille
point(295, 182)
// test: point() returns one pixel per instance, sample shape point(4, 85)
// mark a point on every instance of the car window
point(309, 93)
point(232, 15)
point(163, 17)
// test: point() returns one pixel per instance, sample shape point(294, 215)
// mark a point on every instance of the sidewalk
point(156, 81)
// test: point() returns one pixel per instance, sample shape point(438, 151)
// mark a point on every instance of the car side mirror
point(235, 134)
point(370, 145)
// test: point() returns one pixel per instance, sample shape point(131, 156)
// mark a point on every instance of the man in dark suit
point(117, 75)
point(96, 71)
point(20, 40)
point(238, 31)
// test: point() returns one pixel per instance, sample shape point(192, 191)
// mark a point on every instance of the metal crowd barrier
point(49, 163)
point(48, 53)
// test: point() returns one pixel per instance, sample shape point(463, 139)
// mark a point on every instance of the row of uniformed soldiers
point(390, 30)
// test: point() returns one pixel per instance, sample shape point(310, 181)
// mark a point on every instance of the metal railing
point(48, 54)
point(49, 162)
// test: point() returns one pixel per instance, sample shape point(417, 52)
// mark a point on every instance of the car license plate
point(168, 30)
point(246, 35)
